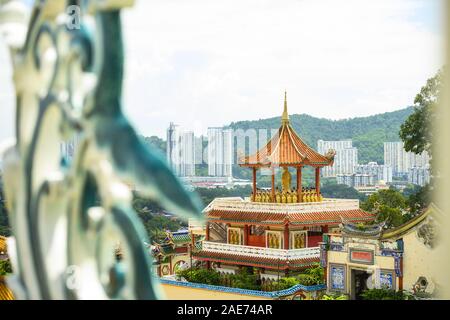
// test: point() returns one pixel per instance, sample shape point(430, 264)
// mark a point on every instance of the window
point(299, 239)
point(234, 236)
point(273, 239)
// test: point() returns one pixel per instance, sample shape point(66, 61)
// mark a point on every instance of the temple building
point(276, 230)
point(174, 251)
point(402, 258)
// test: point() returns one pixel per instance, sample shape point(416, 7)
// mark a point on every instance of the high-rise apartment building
point(345, 160)
point(419, 175)
point(400, 160)
point(378, 171)
point(180, 149)
point(356, 179)
point(220, 151)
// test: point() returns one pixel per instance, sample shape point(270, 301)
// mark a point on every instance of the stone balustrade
point(312, 252)
point(271, 207)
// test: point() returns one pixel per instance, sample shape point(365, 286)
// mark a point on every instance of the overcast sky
point(203, 63)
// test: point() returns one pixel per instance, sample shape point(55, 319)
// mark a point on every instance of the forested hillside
point(367, 133)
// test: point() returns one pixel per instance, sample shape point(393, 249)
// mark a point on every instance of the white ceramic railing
point(312, 252)
point(241, 205)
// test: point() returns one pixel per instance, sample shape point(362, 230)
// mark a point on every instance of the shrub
point(205, 276)
point(383, 294)
point(5, 267)
point(244, 280)
point(311, 276)
point(284, 283)
point(334, 297)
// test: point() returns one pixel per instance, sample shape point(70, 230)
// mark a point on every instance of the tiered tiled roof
point(326, 212)
point(287, 148)
point(263, 262)
point(172, 242)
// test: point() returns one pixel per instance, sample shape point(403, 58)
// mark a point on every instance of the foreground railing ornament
point(68, 219)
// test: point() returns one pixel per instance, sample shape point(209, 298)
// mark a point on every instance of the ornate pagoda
point(277, 229)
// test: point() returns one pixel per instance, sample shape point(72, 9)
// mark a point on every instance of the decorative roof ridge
point(291, 132)
point(408, 225)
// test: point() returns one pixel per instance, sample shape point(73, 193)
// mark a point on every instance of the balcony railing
point(312, 252)
point(249, 206)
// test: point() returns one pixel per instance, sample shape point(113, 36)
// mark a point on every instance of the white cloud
point(205, 63)
point(220, 61)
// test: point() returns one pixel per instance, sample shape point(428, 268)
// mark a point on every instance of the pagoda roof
point(260, 261)
point(329, 211)
point(286, 148)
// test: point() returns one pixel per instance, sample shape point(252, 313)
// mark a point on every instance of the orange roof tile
point(271, 263)
point(304, 218)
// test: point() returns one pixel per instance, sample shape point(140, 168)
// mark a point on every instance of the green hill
point(367, 133)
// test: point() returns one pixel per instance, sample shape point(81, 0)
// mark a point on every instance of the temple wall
point(420, 261)
point(168, 269)
point(342, 258)
point(173, 292)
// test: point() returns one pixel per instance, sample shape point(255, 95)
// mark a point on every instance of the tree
point(419, 200)
point(5, 229)
point(5, 267)
point(389, 205)
point(341, 191)
point(416, 131)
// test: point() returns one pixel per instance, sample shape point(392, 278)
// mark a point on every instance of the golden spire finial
point(285, 116)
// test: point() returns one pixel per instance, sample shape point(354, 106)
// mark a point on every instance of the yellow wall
point(173, 292)
point(419, 260)
point(341, 257)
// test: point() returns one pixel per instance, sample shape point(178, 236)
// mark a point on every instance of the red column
point(246, 235)
point(400, 279)
point(207, 231)
point(273, 185)
point(286, 236)
point(318, 180)
point(254, 183)
point(299, 184)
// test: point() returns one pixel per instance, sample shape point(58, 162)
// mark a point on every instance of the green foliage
point(416, 131)
point(208, 194)
point(154, 222)
point(5, 267)
point(341, 191)
point(155, 144)
point(284, 283)
point(244, 280)
point(367, 133)
point(200, 275)
point(5, 229)
point(383, 294)
point(334, 297)
point(419, 200)
point(388, 205)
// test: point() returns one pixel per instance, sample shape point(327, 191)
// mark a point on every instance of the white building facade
point(180, 149)
point(380, 172)
point(220, 152)
point(400, 160)
point(419, 175)
point(345, 160)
